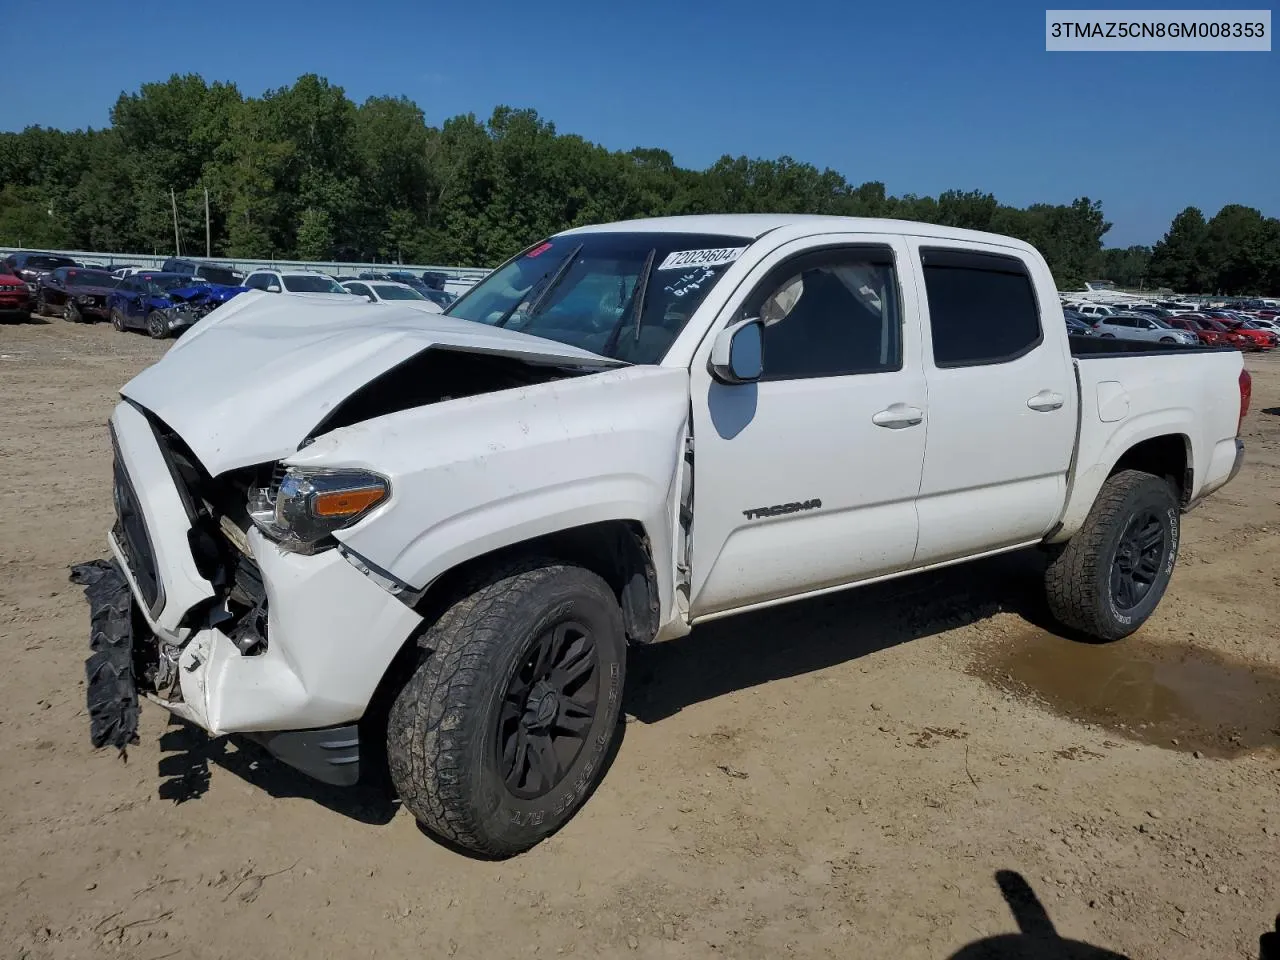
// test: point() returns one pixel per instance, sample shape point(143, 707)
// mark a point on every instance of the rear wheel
point(117, 320)
point(157, 327)
point(504, 729)
point(1110, 576)
point(1108, 336)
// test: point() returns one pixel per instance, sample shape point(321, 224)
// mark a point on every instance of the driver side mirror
point(737, 356)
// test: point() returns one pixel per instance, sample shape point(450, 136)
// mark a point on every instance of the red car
point(1210, 331)
point(1259, 339)
point(15, 297)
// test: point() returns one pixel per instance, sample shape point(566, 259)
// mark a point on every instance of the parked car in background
point(1095, 311)
point(306, 283)
point(373, 275)
point(34, 267)
point(1266, 324)
point(441, 298)
point(15, 295)
point(434, 280)
point(386, 291)
point(1259, 339)
point(203, 271)
point(127, 270)
point(76, 293)
point(165, 304)
point(1178, 306)
point(1078, 328)
point(1136, 326)
point(1210, 332)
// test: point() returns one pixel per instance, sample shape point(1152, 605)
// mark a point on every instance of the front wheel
point(1168, 340)
point(156, 325)
point(71, 312)
point(1111, 575)
point(117, 320)
point(1108, 336)
point(505, 728)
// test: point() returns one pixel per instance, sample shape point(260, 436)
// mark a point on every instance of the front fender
point(475, 474)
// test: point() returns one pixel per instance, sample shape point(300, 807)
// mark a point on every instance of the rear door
point(1002, 401)
point(808, 478)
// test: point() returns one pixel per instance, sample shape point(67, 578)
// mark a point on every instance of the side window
point(256, 281)
point(982, 307)
point(359, 289)
point(829, 314)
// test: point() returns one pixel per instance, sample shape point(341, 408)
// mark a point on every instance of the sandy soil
point(860, 776)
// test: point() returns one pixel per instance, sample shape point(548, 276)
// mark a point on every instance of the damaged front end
point(192, 304)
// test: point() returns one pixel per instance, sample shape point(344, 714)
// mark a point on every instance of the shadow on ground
point(798, 638)
point(1036, 938)
point(188, 752)
point(716, 659)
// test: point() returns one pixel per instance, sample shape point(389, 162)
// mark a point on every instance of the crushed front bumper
point(329, 631)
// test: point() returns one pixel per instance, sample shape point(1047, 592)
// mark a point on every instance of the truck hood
point(248, 383)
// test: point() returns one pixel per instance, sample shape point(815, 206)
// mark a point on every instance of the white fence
point(460, 278)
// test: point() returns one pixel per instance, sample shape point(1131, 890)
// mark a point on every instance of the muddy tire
point(1110, 576)
point(117, 320)
point(157, 328)
point(71, 312)
point(505, 727)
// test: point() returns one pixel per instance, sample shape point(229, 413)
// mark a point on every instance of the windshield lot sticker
point(689, 282)
point(680, 259)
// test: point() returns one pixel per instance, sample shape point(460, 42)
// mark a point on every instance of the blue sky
point(926, 96)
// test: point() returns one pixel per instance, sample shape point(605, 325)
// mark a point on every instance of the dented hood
point(249, 382)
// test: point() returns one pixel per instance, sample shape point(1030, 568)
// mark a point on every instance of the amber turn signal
point(346, 503)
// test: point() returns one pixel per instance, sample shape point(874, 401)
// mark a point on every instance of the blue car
point(164, 304)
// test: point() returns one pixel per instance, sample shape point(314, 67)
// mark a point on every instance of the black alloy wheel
point(547, 710)
point(1139, 556)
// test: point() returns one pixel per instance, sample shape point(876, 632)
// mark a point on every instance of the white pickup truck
point(350, 525)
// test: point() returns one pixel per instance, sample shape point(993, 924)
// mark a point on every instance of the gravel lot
point(852, 777)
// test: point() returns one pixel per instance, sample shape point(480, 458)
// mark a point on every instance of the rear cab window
point(982, 307)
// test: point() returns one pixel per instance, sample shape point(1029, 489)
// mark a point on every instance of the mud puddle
point(1169, 696)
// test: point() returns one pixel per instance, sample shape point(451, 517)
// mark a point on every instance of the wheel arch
point(1161, 449)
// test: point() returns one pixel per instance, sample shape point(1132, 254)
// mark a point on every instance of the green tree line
point(304, 172)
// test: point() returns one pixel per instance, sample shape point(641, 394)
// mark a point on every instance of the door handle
point(1045, 400)
point(897, 416)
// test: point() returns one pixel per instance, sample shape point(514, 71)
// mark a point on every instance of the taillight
point(1246, 394)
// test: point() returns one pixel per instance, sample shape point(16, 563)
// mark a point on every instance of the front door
point(808, 478)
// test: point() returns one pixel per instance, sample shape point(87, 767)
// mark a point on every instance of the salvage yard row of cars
point(1242, 324)
point(167, 301)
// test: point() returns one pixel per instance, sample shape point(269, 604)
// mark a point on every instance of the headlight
point(312, 504)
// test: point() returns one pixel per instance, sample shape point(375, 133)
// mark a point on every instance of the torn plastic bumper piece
point(330, 754)
point(111, 689)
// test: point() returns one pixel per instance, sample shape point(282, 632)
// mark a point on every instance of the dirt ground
point(893, 772)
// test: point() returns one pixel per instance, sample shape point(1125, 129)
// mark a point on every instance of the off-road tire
point(117, 320)
point(443, 728)
point(1079, 580)
point(157, 329)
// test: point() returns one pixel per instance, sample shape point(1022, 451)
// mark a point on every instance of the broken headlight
point(311, 504)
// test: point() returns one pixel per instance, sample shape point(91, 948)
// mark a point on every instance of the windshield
point(82, 278)
point(389, 291)
point(219, 275)
point(440, 296)
point(167, 281)
point(49, 263)
point(582, 289)
point(311, 283)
